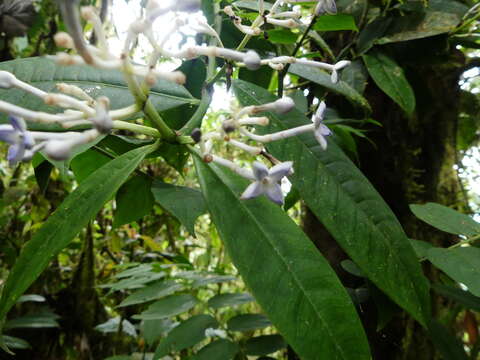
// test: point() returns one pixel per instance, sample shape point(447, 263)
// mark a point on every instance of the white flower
point(321, 130)
point(326, 6)
point(267, 181)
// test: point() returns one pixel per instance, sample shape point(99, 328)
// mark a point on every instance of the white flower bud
point(88, 12)
point(334, 76)
point(252, 60)
point(58, 150)
point(64, 40)
point(7, 80)
point(283, 105)
point(341, 64)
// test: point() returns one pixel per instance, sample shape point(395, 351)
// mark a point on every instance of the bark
point(411, 163)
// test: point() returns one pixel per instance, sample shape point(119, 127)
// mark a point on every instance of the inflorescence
point(79, 108)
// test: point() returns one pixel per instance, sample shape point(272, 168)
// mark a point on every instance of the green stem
point(145, 104)
point(460, 243)
point(139, 129)
point(196, 119)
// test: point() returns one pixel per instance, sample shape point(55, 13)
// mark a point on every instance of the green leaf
point(14, 342)
point(134, 200)
point(248, 322)
point(86, 163)
point(267, 344)
point(61, 228)
point(335, 23)
point(441, 16)
point(390, 78)
point(224, 300)
point(349, 207)
point(154, 329)
point(462, 264)
point(184, 203)
point(282, 36)
point(31, 297)
point(33, 321)
point(322, 78)
point(285, 263)
point(152, 292)
point(169, 306)
point(420, 247)
point(251, 4)
point(462, 297)
point(45, 74)
point(446, 219)
point(113, 326)
point(218, 350)
point(188, 333)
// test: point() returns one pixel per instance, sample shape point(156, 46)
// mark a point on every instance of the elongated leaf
point(311, 308)
point(169, 306)
point(322, 78)
point(390, 78)
point(248, 322)
point(446, 219)
point(335, 23)
point(223, 300)
point(187, 334)
point(462, 297)
point(70, 217)
point(446, 343)
point(264, 345)
point(184, 203)
point(32, 321)
point(461, 264)
point(349, 207)
point(134, 200)
point(152, 292)
point(218, 350)
point(44, 74)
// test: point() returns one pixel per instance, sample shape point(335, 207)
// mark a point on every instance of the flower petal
point(274, 193)
point(15, 154)
point(8, 134)
point(324, 130)
point(253, 190)
point(260, 171)
point(278, 171)
point(321, 139)
point(18, 123)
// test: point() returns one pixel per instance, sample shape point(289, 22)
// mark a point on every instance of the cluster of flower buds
point(264, 181)
point(79, 109)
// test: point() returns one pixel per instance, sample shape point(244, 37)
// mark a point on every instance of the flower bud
point(283, 105)
point(88, 12)
point(341, 64)
point(7, 80)
point(252, 60)
point(58, 150)
point(228, 126)
point(196, 135)
point(64, 40)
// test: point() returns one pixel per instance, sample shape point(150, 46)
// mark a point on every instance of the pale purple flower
point(321, 130)
point(326, 6)
point(267, 181)
point(20, 140)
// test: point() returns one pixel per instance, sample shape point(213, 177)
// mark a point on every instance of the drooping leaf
point(14, 342)
point(462, 264)
point(218, 350)
point(31, 297)
point(266, 344)
point(184, 203)
point(169, 306)
point(134, 200)
point(287, 263)
point(45, 74)
point(33, 321)
point(70, 217)
point(349, 207)
point(446, 219)
point(322, 78)
point(248, 322)
point(389, 77)
point(152, 292)
point(85, 164)
point(462, 297)
point(420, 247)
point(153, 329)
point(223, 300)
point(335, 23)
point(440, 16)
point(188, 333)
